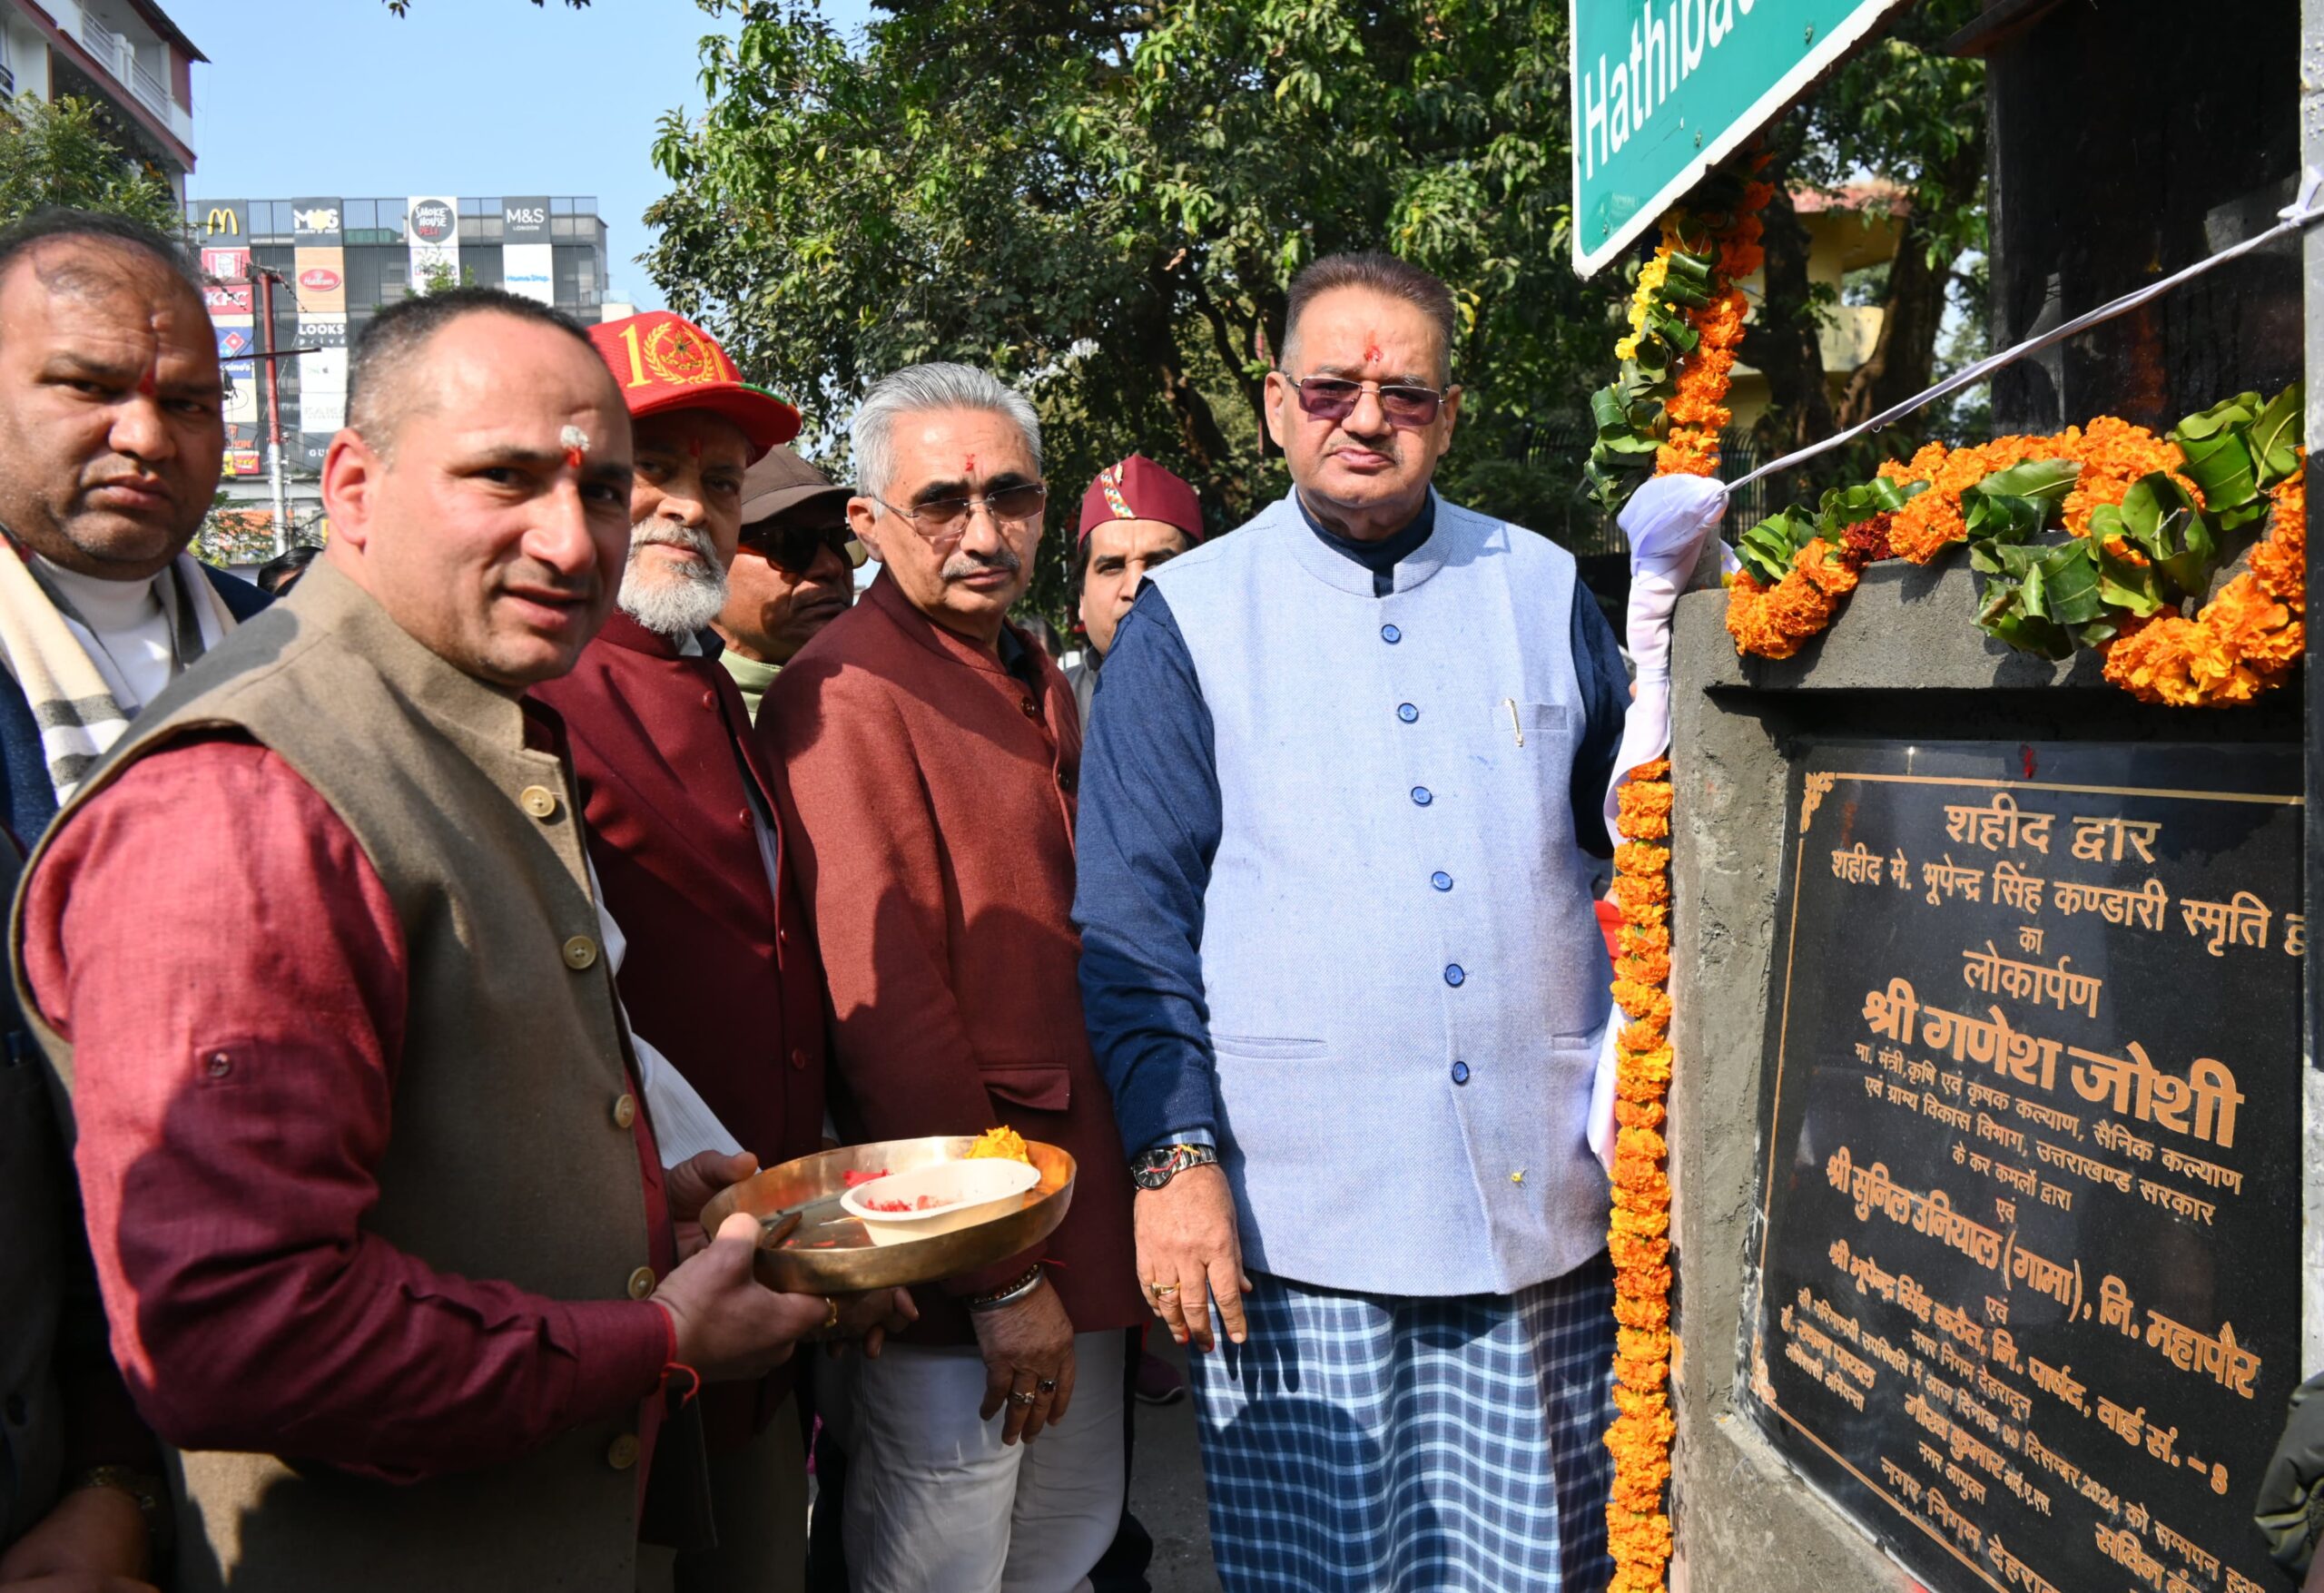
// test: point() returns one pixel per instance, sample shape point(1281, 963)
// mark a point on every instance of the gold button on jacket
point(625, 1111)
point(621, 1453)
point(580, 952)
point(641, 1282)
point(538, 801)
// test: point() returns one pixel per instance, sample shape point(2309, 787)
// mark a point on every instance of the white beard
point(671, 600)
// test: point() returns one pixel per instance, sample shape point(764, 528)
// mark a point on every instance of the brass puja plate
point(829, 1252)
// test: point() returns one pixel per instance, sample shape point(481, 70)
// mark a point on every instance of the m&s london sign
point(1663, 89)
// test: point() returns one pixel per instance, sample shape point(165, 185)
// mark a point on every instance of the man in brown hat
point(793, 571)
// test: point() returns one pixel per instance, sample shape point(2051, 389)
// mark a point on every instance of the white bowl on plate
point(965, 1193)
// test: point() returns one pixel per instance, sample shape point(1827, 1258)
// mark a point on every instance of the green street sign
point(1663, 89)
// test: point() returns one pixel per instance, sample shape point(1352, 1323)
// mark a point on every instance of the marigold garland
point(2247, 637)
point(1638, 1532)
point(2125, 484)
point(1637, 1529)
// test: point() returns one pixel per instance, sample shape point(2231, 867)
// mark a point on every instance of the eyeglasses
point(946, 519)
point(793, 547)
point(1334, 398)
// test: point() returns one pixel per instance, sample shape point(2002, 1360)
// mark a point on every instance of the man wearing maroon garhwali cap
point(717, 964)
point(1136, 516)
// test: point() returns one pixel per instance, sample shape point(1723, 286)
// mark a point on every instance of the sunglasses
point(792, 548)
point(1334, 398)
point(946, 519)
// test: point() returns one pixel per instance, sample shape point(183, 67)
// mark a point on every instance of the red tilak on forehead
point(1371, 353)
point(694, 447)
point(969, 466)
point(147, 386)
point(574, 458)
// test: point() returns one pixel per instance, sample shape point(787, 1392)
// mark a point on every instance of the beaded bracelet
point(1009, 1294)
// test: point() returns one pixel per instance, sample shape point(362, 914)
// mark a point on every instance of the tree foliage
point(1903, 113)
point(67, 153)
point(1105, 203)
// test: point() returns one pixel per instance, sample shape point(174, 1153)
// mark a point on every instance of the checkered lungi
point(1368, 1442)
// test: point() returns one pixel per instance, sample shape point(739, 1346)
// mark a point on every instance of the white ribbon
point(1666, 521)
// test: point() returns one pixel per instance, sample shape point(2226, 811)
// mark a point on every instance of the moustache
point(665, 533)
point(961, 566)
point(541, 581)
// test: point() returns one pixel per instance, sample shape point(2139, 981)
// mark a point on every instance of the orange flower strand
point(1638, 1530)
point(2247, 637)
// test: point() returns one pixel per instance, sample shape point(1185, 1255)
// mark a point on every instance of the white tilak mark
point(573, 436)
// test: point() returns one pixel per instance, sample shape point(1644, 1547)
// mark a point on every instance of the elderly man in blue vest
point(1339, 964)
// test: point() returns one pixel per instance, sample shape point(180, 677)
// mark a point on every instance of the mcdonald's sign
point(225, 218)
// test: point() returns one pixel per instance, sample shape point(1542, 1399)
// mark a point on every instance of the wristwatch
point(1157, 1166)
point(147, 1491)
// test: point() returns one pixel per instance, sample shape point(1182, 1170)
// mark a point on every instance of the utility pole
point(267, 280)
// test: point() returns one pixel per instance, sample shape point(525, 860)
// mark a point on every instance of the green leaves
point(2220, 459)
point(2158, 546)
point(1843, 507)
point(1628, 414)
point(63, 152)
point(2040, 597)
point(1767, 549)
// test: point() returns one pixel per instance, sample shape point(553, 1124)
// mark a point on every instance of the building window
point(363, 274)
point(485, 264)
point(576, 283)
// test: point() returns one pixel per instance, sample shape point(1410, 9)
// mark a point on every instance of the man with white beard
point(718, 971)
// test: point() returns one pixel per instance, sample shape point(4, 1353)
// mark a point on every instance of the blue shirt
point(1151, 820)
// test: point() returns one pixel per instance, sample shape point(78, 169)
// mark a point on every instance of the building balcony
point(134, 62)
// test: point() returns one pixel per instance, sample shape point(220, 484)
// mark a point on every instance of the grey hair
point(917, 389)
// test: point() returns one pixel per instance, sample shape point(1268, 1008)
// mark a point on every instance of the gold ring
point(831, 1314)
point(1163, 1291)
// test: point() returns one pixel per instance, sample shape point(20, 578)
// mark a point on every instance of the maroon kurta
point(237, 1033)
point(928, 798)
point(730, 994)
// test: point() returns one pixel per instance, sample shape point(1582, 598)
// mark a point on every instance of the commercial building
point(125, 55)
point(338, 261)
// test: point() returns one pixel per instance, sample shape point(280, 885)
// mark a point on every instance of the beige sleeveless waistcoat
point(506, 1161)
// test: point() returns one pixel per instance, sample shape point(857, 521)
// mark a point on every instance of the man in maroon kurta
point(383, 1236)
point(719, 974)
point(928, 755)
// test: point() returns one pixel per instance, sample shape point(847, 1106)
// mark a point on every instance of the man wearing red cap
point(1134, 517)
point(718, 971)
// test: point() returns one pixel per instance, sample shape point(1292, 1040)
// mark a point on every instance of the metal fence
point(1560, 451)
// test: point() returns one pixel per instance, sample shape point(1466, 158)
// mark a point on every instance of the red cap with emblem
point(1140, 489)
point(665, 363)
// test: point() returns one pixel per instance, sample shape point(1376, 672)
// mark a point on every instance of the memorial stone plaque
point(2028, 1249)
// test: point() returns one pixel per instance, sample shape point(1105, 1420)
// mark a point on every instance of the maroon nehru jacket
point(927, 797)
point(715, 978)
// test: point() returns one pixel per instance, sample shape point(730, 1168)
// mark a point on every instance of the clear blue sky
point(317, 97)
